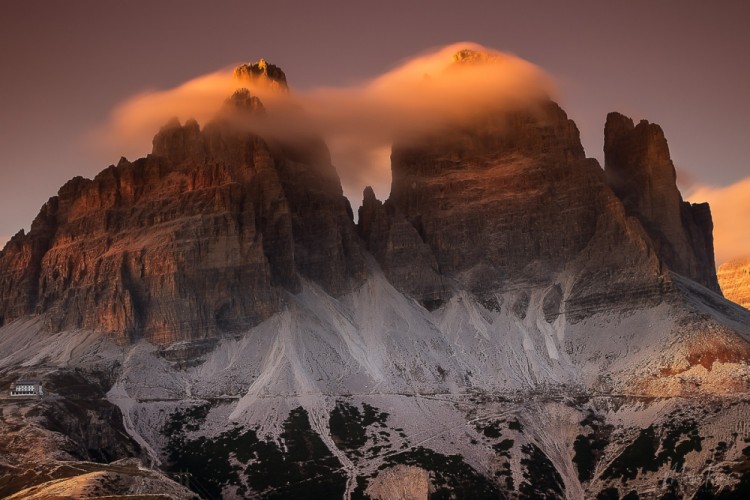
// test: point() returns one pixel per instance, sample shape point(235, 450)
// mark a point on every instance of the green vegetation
point(301, 466)
point(503, 446)
point(515, 426)
point(492, 429)
point(349, 426)
point(674, 449)
point(589, 448)
point(541, 478)
point(608, 494)
point(614, 494)
point(189, 419)
point(677, 440)
point(640, 454)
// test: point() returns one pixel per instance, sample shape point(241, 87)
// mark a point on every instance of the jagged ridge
point(202, 237)
point(640, 171)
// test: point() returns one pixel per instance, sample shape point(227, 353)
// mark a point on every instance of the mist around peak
point(359, 122)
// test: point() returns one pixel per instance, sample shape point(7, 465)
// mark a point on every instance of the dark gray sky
point(66, 65)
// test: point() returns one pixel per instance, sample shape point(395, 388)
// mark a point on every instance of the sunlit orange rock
point(202, 237)
point(734, 278)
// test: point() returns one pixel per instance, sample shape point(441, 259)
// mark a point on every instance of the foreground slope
point(345, 392)
point(73, 445)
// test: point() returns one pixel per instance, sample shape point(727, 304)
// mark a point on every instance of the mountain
point(734, 278)
point(514, 203)
point(640, 171)
point(513, 321)
point(200, 238)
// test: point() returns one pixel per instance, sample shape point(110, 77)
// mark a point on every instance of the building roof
point(27, 382)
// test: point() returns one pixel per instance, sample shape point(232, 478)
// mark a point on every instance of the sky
point(68, 66)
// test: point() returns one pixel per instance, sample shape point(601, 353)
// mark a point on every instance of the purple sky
point(66, 65)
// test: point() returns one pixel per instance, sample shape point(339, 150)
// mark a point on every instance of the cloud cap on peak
point(261, 73)
point(359, 122)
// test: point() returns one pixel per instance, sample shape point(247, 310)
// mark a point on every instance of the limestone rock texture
point(734, 278)
point(509, 201)
point(120, 480)
point(513, 321)
point(640, 171)
point(262, 73)
point(202, 237)
point(406, 259)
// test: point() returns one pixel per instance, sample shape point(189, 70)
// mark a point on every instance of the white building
point(27, 388)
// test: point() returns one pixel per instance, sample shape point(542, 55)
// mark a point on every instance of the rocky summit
point(640, 171)
point(198, 239)
point(510, 203)
point(513, 321)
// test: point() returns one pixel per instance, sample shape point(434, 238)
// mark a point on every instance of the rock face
point(406, 259)
point(508, 203)
point(513, 201)
point(640, 171)
point(262, 73)
point(202, 237)
point(734, 278)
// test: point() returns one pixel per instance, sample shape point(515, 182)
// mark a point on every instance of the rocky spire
point(262, 73)
point(242, 100)
point(640, 171)
point(223, 140)
point(471, 56)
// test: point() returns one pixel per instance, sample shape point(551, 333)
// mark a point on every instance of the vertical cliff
point(202, 237)
point(640, 171)
point(408, 262)
point(509, 202)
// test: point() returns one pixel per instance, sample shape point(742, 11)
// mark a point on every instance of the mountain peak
point(640, 171)
point(473, 56)
point(243, 101)
point(262, 73)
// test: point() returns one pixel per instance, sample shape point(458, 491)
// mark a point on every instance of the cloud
point(134, 122)
point(448, 85)
point(730, 207)
point(359, 122)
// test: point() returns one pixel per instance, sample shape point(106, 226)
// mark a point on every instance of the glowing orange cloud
point(134, 122)
point(730, 207)
point(358, 122)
